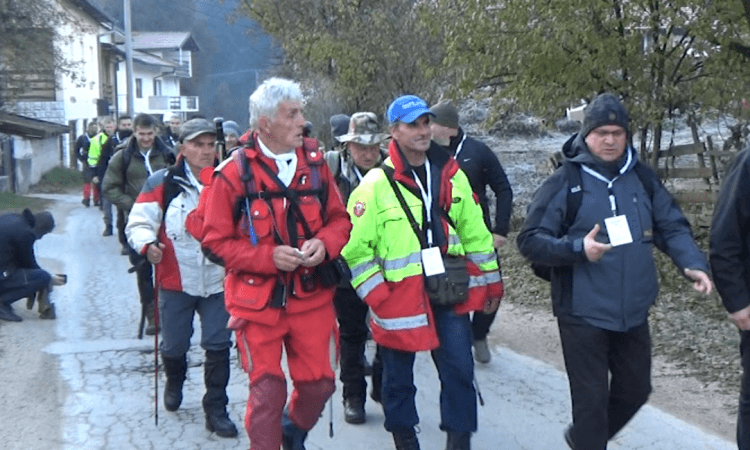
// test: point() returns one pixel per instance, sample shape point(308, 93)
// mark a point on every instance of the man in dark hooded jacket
point(20, 274)
point(603, 272)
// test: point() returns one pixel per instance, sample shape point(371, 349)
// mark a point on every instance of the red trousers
point(87, 188)
point(310, 339)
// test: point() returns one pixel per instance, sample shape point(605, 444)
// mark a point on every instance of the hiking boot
point(97, 203)
point(482, 351)
point(151, 327)
point(6, 313)
point(293, 437)
point(86, 202)
point(354, 410)
point(458, 441)
point(569, 437)
point(216, 378)
point(406, 439)
point(107, 230)
point(48, 313)
point(175, 369)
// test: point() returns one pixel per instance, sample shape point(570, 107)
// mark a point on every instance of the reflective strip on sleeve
point(400, 263)
point(370, 284)
point(360, 269)
point(481, 258)
point(400, 323)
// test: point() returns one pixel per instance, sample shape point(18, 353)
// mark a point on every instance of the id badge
point(618, 230)
point(432, 262)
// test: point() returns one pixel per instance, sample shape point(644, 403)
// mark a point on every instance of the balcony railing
point(187, 103)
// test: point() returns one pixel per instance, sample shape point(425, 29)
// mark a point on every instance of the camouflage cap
point(364, 129)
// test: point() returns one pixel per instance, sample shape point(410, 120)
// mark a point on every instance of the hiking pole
point(330, 416)
point(479, 393)
point(156, 357)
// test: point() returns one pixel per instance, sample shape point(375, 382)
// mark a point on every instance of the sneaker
point(124, 251)
point(6, 313)
point(86, 202)
point(569, 437)
point(482, 351)
point(107, 230)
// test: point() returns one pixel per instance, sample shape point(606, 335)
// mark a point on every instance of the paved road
point(105, 378)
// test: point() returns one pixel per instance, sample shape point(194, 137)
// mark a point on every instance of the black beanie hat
point(605, 109)
point(445, 114)
point(339, 125)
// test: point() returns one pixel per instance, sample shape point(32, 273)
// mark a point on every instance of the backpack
point(195, 219)
point(575, 196)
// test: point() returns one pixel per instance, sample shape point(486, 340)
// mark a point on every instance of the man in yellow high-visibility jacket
point(389, 263)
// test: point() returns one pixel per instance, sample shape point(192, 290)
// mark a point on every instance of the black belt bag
point(450, 287)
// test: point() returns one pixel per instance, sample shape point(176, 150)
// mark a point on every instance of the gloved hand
point(95, 180)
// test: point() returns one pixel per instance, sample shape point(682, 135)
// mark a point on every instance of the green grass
point(59, 179)
point(10, 202)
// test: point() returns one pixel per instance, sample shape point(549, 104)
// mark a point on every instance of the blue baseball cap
point(407, 109)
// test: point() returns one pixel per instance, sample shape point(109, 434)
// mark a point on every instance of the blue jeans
point(22, 283)
point(176, 311)
point(455, 366)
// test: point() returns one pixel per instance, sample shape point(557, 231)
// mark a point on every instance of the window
point(138, 88)
point(157, 87)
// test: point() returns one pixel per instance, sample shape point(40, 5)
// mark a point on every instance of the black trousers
point(602, 407)
point(743, 412)
point(144, 273)
point(480, 324)
point(351, 312)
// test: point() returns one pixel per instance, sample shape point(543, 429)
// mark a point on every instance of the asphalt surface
point(104, 380)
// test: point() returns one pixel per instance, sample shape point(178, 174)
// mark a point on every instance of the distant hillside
point(231, 56)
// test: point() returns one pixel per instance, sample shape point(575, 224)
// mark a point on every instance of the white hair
point(264, 102)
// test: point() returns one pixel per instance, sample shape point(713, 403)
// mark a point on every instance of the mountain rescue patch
point(359, 209)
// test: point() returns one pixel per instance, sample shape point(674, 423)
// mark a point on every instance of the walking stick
point(479, 393)
point(156, 355)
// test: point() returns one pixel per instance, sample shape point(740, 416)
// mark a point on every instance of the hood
point(576, 150)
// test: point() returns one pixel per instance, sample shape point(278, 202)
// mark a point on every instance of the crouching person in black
point(20, 274)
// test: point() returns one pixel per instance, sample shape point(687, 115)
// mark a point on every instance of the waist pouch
point(332, 273)
point(450, 287)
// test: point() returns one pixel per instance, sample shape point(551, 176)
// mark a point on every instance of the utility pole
point(129, 57)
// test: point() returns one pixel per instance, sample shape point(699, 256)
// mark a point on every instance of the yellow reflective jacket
point(384, 253)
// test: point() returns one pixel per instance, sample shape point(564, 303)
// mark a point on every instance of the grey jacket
point(616, 292)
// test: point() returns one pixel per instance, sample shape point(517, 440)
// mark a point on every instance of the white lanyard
point(427, 197)
point(357, 172)
point(460, 147)
point(146, 162)
point(597, 175)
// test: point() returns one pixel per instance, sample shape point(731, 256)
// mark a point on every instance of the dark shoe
point(30, 301)
point(293, 438)
point(222, 425)
point(48, 313)
point(86, 202)
point(406, 440)
point(216, 378)
point(569, 437)
point(175, 370)
point(107, 230)
point(124, 251)
point(151, 327)
point(458, 441)
point(367, 366)
point(482, 351)
point(97, 203)
point(354, 410)
point(6, 313)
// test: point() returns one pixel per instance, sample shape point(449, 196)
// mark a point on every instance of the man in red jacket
point(274, 218)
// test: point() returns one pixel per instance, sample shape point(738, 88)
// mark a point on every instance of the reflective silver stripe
point(248, 359)
point(400, 323)
point(359, 269)
point(400, 263)
point(481, 258)
point(454, 240)
point(477, 281)
point(371, 283)
point(492, 277)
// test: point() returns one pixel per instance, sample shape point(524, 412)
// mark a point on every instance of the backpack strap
point(575, 194)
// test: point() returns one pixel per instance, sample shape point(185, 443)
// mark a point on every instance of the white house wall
point(170, 86)
point(34, 158)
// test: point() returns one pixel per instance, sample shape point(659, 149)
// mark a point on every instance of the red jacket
point(251, 272)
